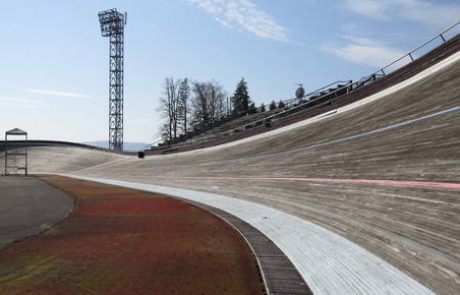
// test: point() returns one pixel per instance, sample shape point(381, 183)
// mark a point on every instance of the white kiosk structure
point(16, 152)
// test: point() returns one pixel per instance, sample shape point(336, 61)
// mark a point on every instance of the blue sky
point(54, 63)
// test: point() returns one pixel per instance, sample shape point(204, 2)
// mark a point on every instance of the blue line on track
point(357, 135)
point(397, 125)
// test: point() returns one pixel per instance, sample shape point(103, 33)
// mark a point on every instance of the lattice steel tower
point(112, 25)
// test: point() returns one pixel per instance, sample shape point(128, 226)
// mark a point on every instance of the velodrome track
point(365, 200)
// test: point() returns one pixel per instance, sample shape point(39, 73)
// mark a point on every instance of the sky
point(54, 61)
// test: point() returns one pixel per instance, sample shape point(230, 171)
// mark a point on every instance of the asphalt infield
point(29, 206)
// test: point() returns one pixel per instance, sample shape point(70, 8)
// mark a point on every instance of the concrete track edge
point(279, 275)
point(329, 263)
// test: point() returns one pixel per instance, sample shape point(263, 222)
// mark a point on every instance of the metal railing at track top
point(411, 54)
point(350, 86)
point(371, 77)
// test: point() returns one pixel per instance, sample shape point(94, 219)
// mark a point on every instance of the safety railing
point(412, 54)
point(351, 86)
point(314, 97)
point(291, 101)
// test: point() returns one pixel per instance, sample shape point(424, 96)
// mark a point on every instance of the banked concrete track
point(324, 178)
point(62, 158)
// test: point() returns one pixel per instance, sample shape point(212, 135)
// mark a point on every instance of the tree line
point(189, 108)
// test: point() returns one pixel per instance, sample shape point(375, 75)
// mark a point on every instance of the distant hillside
point(127, 146)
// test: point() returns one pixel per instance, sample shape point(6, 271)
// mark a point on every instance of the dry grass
point(122, 241)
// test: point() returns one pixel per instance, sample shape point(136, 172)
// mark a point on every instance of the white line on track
point(403, 183)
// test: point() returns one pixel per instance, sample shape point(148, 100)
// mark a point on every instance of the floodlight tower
point(112, 25)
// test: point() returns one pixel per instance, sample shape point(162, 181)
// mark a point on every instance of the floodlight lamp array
point(112, 22)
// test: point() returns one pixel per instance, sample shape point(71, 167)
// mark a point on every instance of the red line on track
point(403, 183)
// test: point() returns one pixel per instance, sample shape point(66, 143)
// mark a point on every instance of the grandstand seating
point(317, 102)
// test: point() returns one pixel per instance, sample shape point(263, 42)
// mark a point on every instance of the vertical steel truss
point(112, 25)
point(116, 91)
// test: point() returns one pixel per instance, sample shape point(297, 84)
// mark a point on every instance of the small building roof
point(16, 131)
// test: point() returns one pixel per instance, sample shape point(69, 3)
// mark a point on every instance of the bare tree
point(165, 132)
point(183, 105)
point(217, 102)
point(200, 104)
point(207, 105)
point(169, 108)
point(208, 102)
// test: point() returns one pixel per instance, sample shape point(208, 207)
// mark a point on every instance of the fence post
point(6, 152)
point(442, 37)
point(411, 57)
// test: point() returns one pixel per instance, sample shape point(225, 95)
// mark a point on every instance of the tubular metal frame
point(15, 153)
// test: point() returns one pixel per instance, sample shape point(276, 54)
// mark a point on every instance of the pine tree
point(241, 99)
point(281, 104)
point(272, 105)
point(252, 108)
point(262, 108)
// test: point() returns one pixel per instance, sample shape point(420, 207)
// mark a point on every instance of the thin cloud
point(56, 93)
point(365, 51)
point(369, 8)
point(20, 103)
point(244, 15)
point(428, 13)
